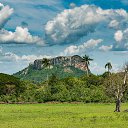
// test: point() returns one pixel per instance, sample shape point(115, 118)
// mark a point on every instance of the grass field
point(62, 116)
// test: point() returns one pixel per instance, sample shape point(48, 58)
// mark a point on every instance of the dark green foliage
point(73, 89)
point(93, 80)
point(105, 75)
point(69, 89)
point(10, 87)
point(37, 76)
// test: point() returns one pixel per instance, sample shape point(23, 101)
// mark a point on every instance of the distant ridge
point(64, 61)
point(61, 66)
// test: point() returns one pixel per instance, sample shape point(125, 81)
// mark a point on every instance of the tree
point(86, 59)
point(46, 64)
point(116, 85)
point(109, 67)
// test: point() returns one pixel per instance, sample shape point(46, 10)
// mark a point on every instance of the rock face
point(75, 61)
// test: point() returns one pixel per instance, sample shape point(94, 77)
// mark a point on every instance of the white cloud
point(1, 5)
point(118, 36)
point(31, 58)
point(72, 5)
point(114, 24)
point(121, 38)
point(71, 50)
point(105, 48)
point(11, 57)
point(5, 13)
point(73, 24)
point(21, 35)
point(74, 49)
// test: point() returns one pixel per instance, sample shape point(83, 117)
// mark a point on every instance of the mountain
point(62, 67)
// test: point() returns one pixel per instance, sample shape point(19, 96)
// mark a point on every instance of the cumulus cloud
point(74, 49)
point(118, 36)
point(73, 24)
point(121, 38)
point(31, 58)
point(5, 13)
point(21, 35)
point(106, 48)
point(114, 24)
point(72, 5)
point(11, 57)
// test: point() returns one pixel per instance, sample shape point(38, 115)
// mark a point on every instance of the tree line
point(89, 88)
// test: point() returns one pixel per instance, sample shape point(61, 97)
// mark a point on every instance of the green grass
point(62, 116)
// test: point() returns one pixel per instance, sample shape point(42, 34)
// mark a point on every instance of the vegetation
point(10, 88)
point(85, 89)
point(62, 116)
point(116, 85)
point(70, 89)
point(38, 76)
point(61, 85)
point(109, 67)
point(87, 60)
point(46, 64)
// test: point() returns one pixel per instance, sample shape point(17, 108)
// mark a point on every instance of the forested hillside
point(37, 76)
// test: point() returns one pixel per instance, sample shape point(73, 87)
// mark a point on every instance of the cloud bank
point(21, 34)
point(121, 38)
point(5, 13)
point(76, 49)
point(74, 24)
point(11, 57)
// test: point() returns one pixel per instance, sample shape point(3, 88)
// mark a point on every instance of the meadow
point(62, 116)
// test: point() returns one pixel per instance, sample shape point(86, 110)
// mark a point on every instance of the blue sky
point(46, 28)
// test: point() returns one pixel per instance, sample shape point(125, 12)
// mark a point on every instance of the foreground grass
point(62, 116)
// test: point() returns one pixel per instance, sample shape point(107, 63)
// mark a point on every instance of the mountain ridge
point(62, 67)
point(75, 61)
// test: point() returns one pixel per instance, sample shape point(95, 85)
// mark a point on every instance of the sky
point(31, 30)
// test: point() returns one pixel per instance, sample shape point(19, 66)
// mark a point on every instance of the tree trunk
point(87, 73)
point(87, 69)
point(118, 102)
point(47, 73)
point(108, 72)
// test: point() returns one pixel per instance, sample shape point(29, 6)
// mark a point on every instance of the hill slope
point(35, 75)
point(8, 79)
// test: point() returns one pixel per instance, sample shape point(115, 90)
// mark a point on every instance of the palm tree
point(86, 59)
point(46, 64)
point(109, 67)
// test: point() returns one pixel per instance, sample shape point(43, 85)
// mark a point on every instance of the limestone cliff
point(64, 61)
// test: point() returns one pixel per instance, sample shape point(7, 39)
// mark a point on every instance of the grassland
point(62, 116)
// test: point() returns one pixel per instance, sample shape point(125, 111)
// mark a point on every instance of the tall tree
point(116, 85)
point(46, 64)
point(86, 59)
point(109, 67)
